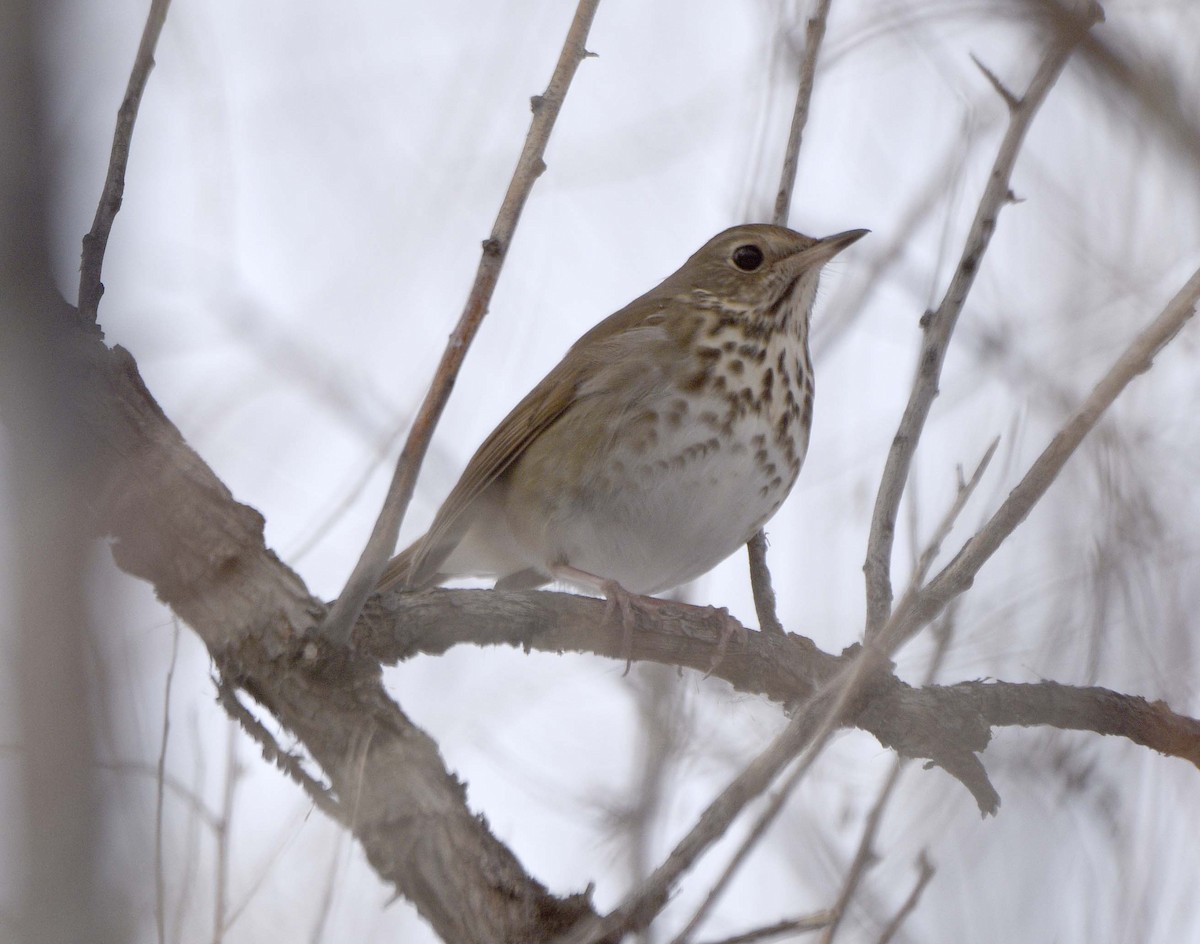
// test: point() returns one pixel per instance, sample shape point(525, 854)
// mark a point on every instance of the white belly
point(662, 522)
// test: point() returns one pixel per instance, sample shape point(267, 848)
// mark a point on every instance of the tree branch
point(175, 525)
point(756, 548)
point(382, 542)
point(96, 241)
point(918, 607)
point(938, 326)
point(934, 722)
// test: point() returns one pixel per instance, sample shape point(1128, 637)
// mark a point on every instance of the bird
point(665, 438)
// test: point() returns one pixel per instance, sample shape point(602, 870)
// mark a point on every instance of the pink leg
point(618, 600)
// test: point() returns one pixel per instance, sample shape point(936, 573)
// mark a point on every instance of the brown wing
point(417, 566)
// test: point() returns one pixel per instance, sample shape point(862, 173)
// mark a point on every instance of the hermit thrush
point(664, 439)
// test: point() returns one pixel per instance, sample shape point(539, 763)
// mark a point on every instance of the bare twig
point(96, 241)
point(760, 574)
point(925, 872)
point(864, 855)
point(160, 893)
point(939, 326)
point(273, 753)
point(813, 36)
point(530, 165)
point(918, 607)
point(813, 922)
point(807, 732)
point(963, 495)
point(761, 586)
point(221, 879)
point(752, 838)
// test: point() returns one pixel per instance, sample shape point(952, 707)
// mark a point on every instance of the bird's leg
point(619, 600)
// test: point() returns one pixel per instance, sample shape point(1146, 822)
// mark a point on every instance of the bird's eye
point(747, 258)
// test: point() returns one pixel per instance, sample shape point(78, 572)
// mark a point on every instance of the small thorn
point(1009, 98)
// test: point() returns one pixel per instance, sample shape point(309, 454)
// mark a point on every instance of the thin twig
point(325, 908)
point(963, 495)
point(221, 879)
point(807, 732)
point(812, 922)
point(756, 548)
point(925, 873)
point(189, 797)
point(291, 765)
point(160, 891)
point(918, 607)
point(939, 326)
point(813, 35)
point(530, 165)
point(865, 854)
point(751, 839)
point(96, 241)
point(761, 585)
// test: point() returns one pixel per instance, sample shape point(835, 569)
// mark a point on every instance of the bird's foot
point(728, 628)
point(620, 603)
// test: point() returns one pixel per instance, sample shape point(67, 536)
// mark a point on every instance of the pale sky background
point(307, 192)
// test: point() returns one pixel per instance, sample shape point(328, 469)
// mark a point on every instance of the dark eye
point(747, 258)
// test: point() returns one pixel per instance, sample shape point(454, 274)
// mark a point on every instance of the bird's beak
point(811, 259)
point(825, 249)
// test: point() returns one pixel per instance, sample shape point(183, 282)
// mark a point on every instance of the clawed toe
point(729, 628)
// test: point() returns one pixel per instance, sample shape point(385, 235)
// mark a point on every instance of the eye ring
point(748, 257)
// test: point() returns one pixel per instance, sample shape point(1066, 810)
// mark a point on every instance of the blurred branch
point(865, 855)
point(160, 779)
point(1151, 93)
point(814, 34)
point(925, 872)
point(962, 496)
point(96, 241)
point(756, 548)
point(813, 922)
point(918, 607)
point(938, 326)
point(382, 542)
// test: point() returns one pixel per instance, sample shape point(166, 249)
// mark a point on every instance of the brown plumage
point(667, 435)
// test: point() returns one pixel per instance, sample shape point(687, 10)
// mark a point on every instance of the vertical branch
point(221, 879)
point(938, 326)
point(160, 891)
point(756, 548)
point(814, 34)
point(96, 241)
point(919, 606)
point(529, 167)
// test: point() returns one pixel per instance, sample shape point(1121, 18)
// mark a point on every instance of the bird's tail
point(398, 572)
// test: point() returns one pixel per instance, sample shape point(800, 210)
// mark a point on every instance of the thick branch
point(178, 527)
point(934, 722)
